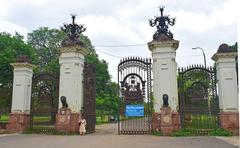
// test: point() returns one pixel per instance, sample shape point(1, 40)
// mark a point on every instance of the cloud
point(225, 15)
point(9, 27)
point(3, 9)
point(199, 23)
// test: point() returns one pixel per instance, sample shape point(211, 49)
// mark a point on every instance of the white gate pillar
point(227, 88)
point(164, 72)
point(165, 95)
point(19, 118)
point(71, 62)
point(71, 76)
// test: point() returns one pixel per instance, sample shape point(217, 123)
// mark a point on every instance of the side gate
point(89, 101)
point(134, 104)
point(198, 100)
point(44, 100)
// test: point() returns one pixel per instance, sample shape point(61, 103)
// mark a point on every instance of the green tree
point(11, 46)
point(46, 43)
point(234, 47)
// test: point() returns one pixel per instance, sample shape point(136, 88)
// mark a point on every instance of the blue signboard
point(134, 110)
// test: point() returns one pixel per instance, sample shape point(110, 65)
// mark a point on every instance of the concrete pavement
point(106, 137)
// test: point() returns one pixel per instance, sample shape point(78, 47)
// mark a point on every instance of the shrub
point(156, 133)
point(220, 132)
point(181, 133)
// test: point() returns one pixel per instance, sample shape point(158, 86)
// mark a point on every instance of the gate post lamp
point(203, 54)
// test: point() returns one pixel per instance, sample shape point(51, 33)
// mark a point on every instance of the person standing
point(82, 127)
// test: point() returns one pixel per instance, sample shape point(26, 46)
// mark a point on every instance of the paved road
point(106, 137)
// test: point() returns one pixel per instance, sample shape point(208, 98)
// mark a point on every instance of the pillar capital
point(225, 55)
point(22, 65)
point(163, 44)
point(74, 49)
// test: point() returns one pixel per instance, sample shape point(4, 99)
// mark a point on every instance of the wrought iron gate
point(198, 100)
point(44, 101)
point(89, 102)
point(135, 104)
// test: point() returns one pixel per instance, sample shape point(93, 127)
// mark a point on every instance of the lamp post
point(203, 54)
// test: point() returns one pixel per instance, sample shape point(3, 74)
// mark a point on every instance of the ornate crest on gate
point(134, 79)
point(132, 91)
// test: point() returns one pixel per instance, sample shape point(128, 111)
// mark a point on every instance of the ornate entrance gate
point(198, 100)
point(89, 102)
point(135, 105)
point(44, 101)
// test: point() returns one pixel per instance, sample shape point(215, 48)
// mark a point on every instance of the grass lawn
point(202, 121)
point(41, 118)
point(4, 118)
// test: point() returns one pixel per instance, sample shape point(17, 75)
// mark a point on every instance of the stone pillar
point(164, 72)
point(19, 118)
point(227, 88)
point(71, 86)
point(165, 82)
point(71, 76)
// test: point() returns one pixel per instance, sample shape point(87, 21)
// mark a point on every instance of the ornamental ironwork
point(198, 99)
point(132, 90)
point(134, 102)
point(44, 99)
point(161, 23)
point(89, 102)
point(73, 31)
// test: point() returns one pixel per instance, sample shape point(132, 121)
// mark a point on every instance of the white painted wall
point(71, 79)
point(22, 87)
point(164, 73)
point(227, 81)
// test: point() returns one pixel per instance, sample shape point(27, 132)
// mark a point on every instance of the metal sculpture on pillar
point(161, 23)
point(73, 31)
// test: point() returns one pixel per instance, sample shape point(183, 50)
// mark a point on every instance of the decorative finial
point(73, 18)
point(73, 31)
point(161, 23)
point(161, 8)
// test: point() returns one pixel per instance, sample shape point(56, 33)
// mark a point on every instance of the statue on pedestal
point(64, 102)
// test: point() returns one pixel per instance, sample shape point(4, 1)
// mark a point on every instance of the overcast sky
point(203, 23)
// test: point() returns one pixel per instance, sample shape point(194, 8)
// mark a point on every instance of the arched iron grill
point(134, 81)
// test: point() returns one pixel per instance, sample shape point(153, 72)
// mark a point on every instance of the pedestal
point(230, 121)
point(66, 121)
point(18, 122)
point(166, 121)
